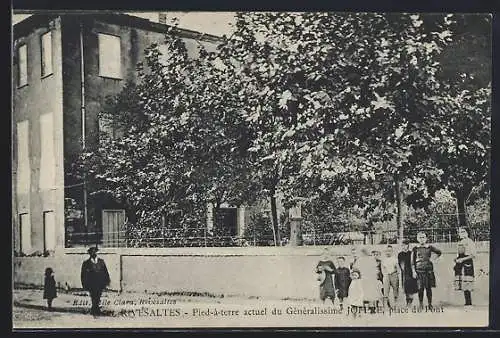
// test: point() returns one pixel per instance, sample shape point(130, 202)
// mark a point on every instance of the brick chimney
point(162, 18)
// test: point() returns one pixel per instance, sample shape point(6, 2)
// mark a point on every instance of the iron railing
point(203, 237)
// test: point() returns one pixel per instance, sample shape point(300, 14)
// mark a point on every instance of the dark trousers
point(468, 297)
point(95, 295)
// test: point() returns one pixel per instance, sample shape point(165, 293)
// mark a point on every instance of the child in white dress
point(355, 294)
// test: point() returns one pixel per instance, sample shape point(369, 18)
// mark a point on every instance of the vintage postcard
point(250, 169)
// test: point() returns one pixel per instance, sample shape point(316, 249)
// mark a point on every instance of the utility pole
point(83, 118)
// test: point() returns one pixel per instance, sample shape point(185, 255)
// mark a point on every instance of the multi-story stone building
point(64, 67)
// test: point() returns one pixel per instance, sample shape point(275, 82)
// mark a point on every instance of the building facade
point(64, 68)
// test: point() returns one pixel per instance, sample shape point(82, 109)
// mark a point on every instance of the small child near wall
point(49, 287)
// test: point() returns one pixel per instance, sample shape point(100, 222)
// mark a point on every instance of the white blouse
point(389, 265)
point(470, 246)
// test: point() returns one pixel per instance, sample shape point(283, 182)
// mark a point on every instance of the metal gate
point(113, 234)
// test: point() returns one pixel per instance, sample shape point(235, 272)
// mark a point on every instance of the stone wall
point(267, 272)
point(67, 268)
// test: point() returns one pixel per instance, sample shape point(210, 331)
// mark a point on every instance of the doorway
point(227, 221)
point(113, 221)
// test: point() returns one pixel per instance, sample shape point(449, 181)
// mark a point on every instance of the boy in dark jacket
point(423, 268)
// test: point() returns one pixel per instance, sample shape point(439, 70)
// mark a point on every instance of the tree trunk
point(399, 204)
point(274, 217)
point(462, 216)
point(295, 219)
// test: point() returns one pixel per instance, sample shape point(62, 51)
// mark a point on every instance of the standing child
point(391, 272)
point(356, 296)
point(464, 266)
point(354, 257)
point(326, 272)
point(380, 275)
point(409, 283)
point(367, 267)
point(423, 268)
point(342, 280)
point(459, 267)
point(49, 287)
point(377, 254)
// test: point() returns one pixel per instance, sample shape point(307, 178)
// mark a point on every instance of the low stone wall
point(269, 272)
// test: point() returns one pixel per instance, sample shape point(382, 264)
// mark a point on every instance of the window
point(22, 58)
point(109, 56)
point(47, 157)
point(49, 230)
point(106, 127)
point(226, 220)
point(23, 158)
point(25, 225)
point(46, 46)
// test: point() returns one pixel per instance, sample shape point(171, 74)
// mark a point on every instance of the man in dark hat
point(95, 278)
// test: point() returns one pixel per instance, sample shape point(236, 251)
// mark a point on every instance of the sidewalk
point(135, 310)
point(65, 301)
point(113, 303)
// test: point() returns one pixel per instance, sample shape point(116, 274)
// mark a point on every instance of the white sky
point(18, 17)
point(217, 23)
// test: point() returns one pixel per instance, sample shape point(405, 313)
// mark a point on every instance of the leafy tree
point(340, 95)
point(465, 112)
point(351, 108)
point(463, 154)
point(183, 146)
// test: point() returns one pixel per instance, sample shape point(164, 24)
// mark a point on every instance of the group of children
point(369, 279)
point(344, 281)
point(334, 280)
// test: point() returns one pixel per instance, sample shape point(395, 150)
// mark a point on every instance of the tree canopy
point(356, 109)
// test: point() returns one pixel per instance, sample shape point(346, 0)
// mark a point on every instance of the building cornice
point(26, 26)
